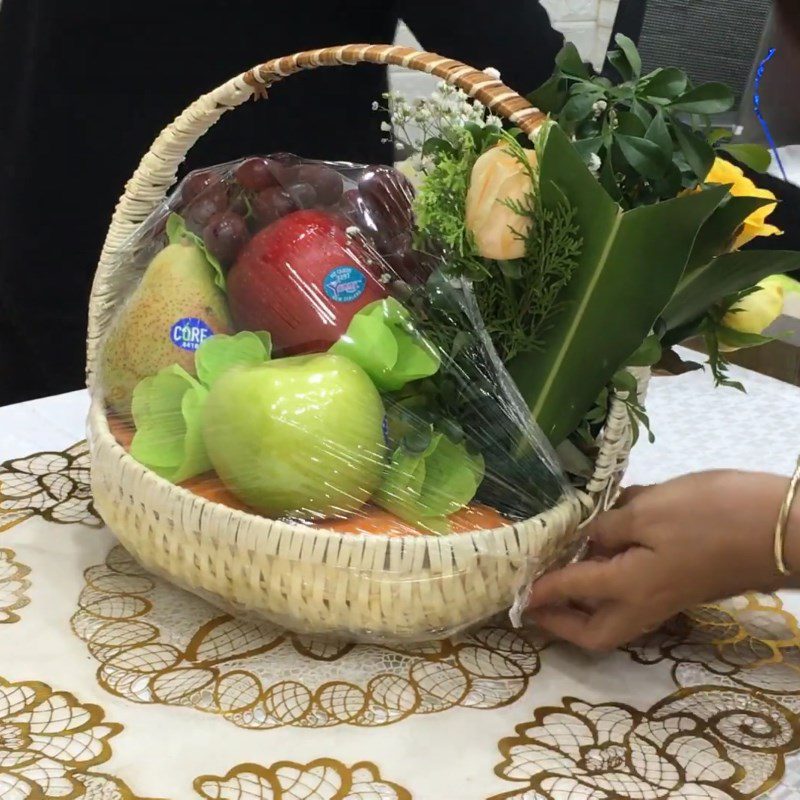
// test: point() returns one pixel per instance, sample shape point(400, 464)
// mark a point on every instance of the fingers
point(608, 628)
point(586, 580)
point(630, 493)
point(613, 531)
point(622, 526)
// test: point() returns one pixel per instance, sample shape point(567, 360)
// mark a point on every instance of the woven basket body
point(365, 586)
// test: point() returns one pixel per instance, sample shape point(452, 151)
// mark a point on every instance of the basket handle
point(157, 171)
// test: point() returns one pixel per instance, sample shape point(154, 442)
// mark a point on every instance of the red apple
point(303, 278)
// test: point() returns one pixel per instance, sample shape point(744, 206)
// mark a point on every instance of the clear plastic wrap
point(283, 350)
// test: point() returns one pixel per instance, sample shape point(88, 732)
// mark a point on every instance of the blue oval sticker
point(344, 284)
point(189, 333)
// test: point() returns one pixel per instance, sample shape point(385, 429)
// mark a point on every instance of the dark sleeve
point(629, 19)
point(515, 36)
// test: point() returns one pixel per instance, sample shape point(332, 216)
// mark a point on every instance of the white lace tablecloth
point(116, 686)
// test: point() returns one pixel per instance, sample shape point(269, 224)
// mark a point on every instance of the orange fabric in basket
point(369, 520)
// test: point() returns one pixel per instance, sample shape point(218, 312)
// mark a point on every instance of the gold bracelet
point(783, 522)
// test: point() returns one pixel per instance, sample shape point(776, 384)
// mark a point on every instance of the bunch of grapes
point(226, 209)
point(381, 207)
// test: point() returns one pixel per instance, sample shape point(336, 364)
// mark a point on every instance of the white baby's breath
point(492, 73)
point(443, 114)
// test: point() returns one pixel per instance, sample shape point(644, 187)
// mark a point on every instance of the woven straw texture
point(366, 587)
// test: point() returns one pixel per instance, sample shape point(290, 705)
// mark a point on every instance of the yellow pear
point(175, 307)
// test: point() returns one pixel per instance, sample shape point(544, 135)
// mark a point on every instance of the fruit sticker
point(189, 333)
point(344, 284)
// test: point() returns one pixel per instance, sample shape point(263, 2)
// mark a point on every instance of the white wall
point(587, 23)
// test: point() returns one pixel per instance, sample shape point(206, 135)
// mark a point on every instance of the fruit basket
point(321, 580)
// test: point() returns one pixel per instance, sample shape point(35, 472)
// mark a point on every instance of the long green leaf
point(571, 63)
point(629, 267)
point(754, 156)
point(699, 153)
point(631, 53)
point(665, 83)
point(710, 98)
point(717, 235)
point(723, 276)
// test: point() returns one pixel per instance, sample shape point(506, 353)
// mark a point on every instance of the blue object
point(189, 333)
point(757, 108)
point(344, 284)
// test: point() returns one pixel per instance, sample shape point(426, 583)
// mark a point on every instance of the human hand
point(663, 549)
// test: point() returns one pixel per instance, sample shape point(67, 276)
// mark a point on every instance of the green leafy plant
point(627, 271)
point(518, 298)
point(648, 137)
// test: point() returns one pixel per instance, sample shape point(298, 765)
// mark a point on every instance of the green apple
point(299, 436)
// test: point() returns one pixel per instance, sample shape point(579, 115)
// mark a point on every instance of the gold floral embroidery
point(749, 641)
point(158, 644)
point(12, 586)
point(96, 786)
point(52, 485)
point(48, 742)
point(324, 779)
point(704, 744)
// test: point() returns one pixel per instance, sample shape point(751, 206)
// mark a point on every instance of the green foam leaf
point(177, 231)
point(166, 411)
point(382, 340)
point(219, 353)
point(426, 487)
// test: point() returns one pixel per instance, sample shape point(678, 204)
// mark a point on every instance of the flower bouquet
point(379, 403)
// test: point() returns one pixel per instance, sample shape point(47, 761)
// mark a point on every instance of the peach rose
point(497, 177)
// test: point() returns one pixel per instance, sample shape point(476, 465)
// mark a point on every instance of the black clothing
point(85, 86)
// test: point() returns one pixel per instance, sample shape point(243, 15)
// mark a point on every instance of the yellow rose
point(498, 177)
point(755, 312)
point(723, 172)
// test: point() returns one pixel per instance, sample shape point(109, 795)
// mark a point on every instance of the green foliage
point(702, 290)
point(639, 128)
point(517, 299)
point(629, 266)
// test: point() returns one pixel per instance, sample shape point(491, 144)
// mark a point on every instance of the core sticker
point(344, 284)
point(189, 333)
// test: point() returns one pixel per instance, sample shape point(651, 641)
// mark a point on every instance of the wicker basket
point(367, 587)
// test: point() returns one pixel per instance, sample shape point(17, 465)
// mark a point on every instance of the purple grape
point(196, 183)
point(256, 174)
point(225, 235)
point(327, 182)
point(389, 195)
point(304, 195)
point(239, 203)
point(271, 204)
point(353, 207)
point(285, 159)
point(409, 266)
point(212, 201)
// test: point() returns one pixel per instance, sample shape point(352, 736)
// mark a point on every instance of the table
point(117, 686)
